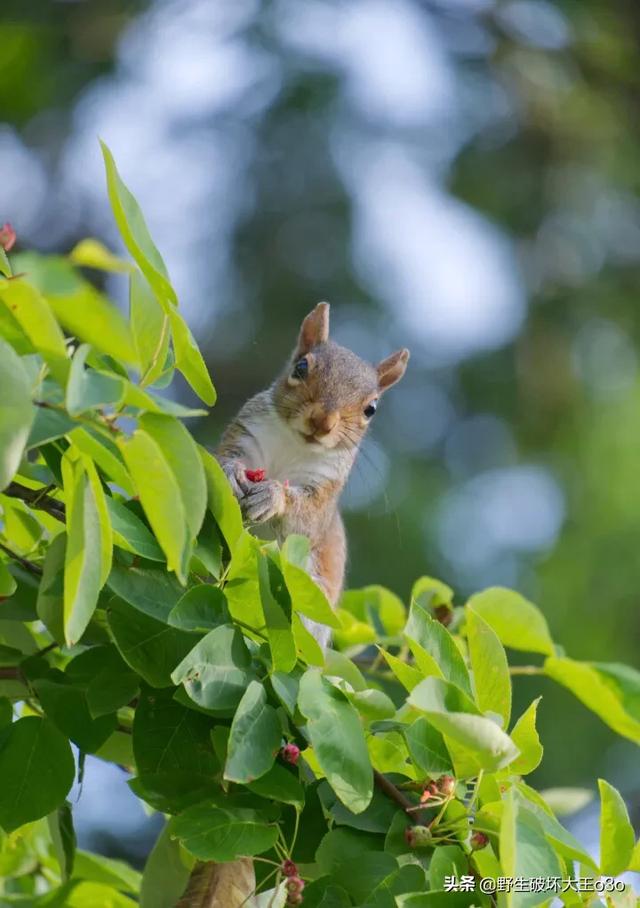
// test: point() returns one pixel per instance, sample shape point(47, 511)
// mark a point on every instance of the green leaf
point(214, 834)
point(85, 551)
point(525, 852)
point(202, 608)
point(150, 647)
point(516, 621)
point(168, 737)
point(47, 426)
point(278, 624)
point(612, 695)
point(104, 453)
point(63, 837)
point(5, 266)
point(217, 671)
point(50, 602)
point(407, 675)
point(109, 872)
point(306, 596)
point(427, 748)
point(181, 453)
point(525, 736)
point(88, 893)
point(255, 737)
point(166, 873)
point(112, 686)
point(38, 322)
point(376, 606)
point(279, 784)
point(447, 861)
point(565, 801)
point(354, 862)
point(36, 768)
point(150, 327)
point(66, 706)
point(373, 704)
point(81, 309)
point(566, 845)
point(91, 317)
point(286, 688)
point(7, 582)
point(135, 233)
point(16, 412)
point(430, 593)
point(337, 739)
point(617, 838)
point(456, 716)
point(491, 679)
point(221, 501)
point(438, 644)
point(131, 533)
point(160, 496)
point(88, 389)
point(337, 664)
point(106, 533)
point(189, 359)
point(91, 253)
point(151, 590)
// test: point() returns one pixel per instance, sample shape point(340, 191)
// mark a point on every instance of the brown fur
point(311, 425)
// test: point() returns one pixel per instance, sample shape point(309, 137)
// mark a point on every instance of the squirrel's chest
point(287, 456)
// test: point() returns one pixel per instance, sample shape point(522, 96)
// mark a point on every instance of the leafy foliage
point(135, 603)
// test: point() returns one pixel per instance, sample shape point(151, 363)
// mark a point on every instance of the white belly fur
point(285, 455)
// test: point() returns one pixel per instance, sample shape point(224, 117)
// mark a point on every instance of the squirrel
point(304, 432)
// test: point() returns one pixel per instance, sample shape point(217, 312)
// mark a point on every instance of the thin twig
point(24, 562)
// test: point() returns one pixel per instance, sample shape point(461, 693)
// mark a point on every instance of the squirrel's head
point(328, 394)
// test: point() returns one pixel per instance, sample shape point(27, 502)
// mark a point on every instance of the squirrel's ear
point(314, 329)
point(391, 369)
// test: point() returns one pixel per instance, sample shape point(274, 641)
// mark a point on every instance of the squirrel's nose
point(322, 422)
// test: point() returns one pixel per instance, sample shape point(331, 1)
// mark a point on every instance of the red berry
point(290, 753)
point(255, 475)
point(289, 868)
point(294, 885)
point(447, 785)
point(479, 840)
point(7, 237)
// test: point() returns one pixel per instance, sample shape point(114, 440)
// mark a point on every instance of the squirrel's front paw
point(263, 501)
point(236, 474)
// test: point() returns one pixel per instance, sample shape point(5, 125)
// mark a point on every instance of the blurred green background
point(457, 176)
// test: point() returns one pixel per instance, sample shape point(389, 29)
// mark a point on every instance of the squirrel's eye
point(370, 409)
point(301, 368)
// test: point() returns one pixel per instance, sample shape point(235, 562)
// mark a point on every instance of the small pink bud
point(290, 753)
point(289, 868)
point(479, 840)
point(294, 885)
point(447, 785)
point(418, 836)
point(7, 237)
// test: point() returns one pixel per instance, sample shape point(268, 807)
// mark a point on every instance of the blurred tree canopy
point(531, 434)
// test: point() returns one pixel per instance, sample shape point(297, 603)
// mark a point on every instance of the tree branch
point(394, 794)
point(24, 562)
point(36, 498)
